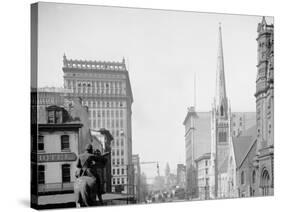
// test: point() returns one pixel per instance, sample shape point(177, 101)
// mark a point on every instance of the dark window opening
point(242, 178)
point(40, 143)
point(54, 117)
point(254, 177)
point(221, 110)
point(65, 173)
point(41, 174)
point(65, 142)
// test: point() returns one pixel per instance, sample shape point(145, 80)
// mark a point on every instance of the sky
point(163, 50)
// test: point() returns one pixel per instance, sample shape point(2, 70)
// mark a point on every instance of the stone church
point(220, 130)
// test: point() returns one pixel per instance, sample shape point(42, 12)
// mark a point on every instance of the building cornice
point(60, 127)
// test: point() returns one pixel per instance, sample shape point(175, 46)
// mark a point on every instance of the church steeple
point(220, 98)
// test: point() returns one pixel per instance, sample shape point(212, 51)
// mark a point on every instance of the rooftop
point(94, 65)
point(242, 145)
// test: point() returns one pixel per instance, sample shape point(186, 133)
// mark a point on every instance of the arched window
point(265, 182)
point(254, 177)
point(222, 137)
point(65, 142)
point(242, 178)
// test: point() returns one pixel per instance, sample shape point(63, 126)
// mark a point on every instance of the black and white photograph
point(142, 106)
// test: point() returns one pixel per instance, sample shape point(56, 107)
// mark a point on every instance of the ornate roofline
point(94, 65)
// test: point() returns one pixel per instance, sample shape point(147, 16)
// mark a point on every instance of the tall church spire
point(221, 98)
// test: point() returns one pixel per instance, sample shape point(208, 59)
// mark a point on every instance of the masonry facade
point(106, 90)
point(203, 170)
point(54, 155)
point(220, 129)
point(265, 108)
point(197, 142)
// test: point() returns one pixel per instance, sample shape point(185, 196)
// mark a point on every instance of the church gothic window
point(265, 182)
point(221, 110)
point(254, 177)
point(242, 178)
point(222, 137)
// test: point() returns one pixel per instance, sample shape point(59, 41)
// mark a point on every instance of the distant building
point(158, 184)
point(241, 121)
point(197, 142)
point(181, 175)
point(203, 175)
point(137, 177)
point(106, 90)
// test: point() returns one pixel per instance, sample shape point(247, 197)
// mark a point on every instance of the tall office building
point(241, 122)
point(197, 142)
point(105, 88)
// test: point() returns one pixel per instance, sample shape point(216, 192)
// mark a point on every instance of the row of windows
point(104, 104)
point(64, 139)
point(106, 113)
point(91, 90)
point(117, 152)
point(99, 84)
point(107, 123)
point(65, 173)
point(240, 124)
point(117, 143)
point(203, 171)
point(50, 101)
point(118, 171)
point(222, 137)
point(76, 64)
point(115, 122)
point(117, 161)
point(95, 75)
point(116, 133)
point(117, 181)
point(203, 181)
